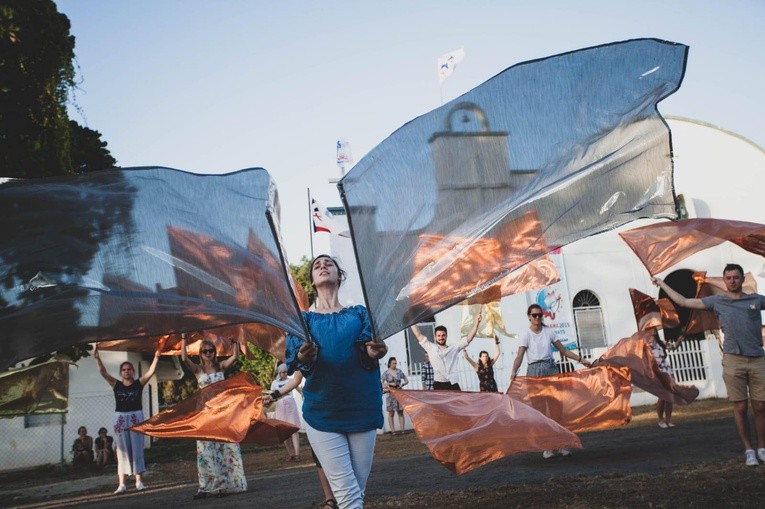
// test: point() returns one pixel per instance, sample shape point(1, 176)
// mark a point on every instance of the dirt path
point(639, 448)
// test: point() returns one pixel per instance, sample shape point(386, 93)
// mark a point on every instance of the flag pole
point(310, 219)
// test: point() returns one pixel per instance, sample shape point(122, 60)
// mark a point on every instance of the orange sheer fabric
point(265, 337)
point(226, 411)
point(662, 245)
point(465, 430)
point(590, 399)
point(649, 312)
point(634, 353)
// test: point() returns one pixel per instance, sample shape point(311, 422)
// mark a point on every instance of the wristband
point(276, 395)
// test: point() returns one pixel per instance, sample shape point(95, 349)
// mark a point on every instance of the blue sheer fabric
point(543, 154)
point(130, 253)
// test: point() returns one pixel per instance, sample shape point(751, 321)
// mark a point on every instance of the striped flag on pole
point(323, 221)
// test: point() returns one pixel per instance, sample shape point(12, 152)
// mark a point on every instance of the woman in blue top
point(342, 394)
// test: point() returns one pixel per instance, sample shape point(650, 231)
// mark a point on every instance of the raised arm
point(193, 367)
point(496, 351)
point(101, 369)
point(676, 297)
point(225, 364)
point(152, 368)
point(419, 335)
point(474, 330)
point(470, 361)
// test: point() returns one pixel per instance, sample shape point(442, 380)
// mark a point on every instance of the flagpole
point(310, 219)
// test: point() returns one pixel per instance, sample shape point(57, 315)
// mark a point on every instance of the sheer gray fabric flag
point(139, 252)
point(543, 154)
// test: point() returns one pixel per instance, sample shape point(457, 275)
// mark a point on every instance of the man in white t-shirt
point(444, 358)
point(536, 343)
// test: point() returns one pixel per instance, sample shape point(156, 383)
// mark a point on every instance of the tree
point(301, 275)
point(37, 138)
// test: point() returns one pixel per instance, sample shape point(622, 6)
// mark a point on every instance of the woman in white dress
point(219, 464)
point(286, 409)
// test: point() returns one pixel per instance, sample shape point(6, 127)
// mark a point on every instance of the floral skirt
point(220, 468)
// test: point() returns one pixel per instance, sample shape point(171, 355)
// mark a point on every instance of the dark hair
point(340, 272)
point(101, 430)
point(391, 360)
point(440, 328)
point(82, 428)
point(533, 306)
point(734, 266)
point(480, 363)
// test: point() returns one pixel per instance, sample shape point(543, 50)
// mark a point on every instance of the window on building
point(415, 355)
point(681, 281)
point(588, 317)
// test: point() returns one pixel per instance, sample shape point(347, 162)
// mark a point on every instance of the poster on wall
point(556, 305)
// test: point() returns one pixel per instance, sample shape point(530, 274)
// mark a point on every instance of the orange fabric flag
point(662, 245)
point(649, 313)
point(465, 430)
point(634, 353)
point(585, 400)
point(227, 411)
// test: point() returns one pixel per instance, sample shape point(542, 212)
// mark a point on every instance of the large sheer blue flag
point(136, 253)
point(543, 154)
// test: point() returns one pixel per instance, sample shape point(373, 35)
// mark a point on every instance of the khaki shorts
point(744, 377)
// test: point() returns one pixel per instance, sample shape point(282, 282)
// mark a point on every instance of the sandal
point(330, 503)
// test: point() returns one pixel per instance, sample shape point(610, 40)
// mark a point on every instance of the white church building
point(717, 174)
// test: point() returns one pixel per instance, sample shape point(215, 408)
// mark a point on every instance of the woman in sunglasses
point(219, 464)
point(128, 445)
point(342, 393)
point(536, 342)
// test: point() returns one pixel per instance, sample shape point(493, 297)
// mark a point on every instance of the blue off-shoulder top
point(339, 394)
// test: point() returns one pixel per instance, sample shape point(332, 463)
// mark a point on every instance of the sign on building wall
point(556, 305)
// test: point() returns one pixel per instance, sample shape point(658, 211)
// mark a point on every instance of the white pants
point(346, 459)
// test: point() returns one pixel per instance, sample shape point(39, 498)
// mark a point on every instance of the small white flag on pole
point(448, 62)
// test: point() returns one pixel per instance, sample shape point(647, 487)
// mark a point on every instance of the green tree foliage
point(37, 138)
point(300, 273)
point(261, 366)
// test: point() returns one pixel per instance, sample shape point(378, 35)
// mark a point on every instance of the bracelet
point(276, 395)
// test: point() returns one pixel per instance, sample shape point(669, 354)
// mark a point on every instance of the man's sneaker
point(564, 452)
point(120, 489)
point(761, 453)
point(139, 486)
point(548, 454)
point(751, 459)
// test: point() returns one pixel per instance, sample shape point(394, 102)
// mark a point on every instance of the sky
point(218, 86)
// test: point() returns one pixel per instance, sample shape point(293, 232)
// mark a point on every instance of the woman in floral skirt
point(219, 464)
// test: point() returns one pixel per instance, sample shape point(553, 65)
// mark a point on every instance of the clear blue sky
point(217, 86)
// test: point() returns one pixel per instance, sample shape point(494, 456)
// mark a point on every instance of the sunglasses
point(208, 350)
point(536, 315)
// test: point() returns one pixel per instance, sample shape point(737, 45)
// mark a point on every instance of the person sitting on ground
point(82, 448)
point(485, 367)
point(104, 445)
